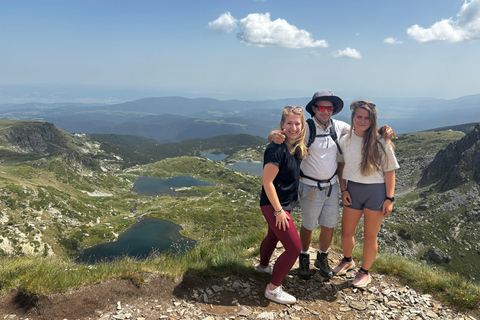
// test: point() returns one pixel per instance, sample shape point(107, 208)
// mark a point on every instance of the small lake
point(215, 157)
point(139, 241)
point(149, 186)
point(253, 167)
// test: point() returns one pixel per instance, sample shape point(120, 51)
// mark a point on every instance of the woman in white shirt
point(366, 171)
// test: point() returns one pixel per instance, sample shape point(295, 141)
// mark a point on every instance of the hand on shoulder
point(278, 137)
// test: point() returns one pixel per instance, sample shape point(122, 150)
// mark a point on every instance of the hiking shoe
point(304, 268)
point(267, 269)
point(343, 267)
point(279, 296)
point(361, 279)
point(322, 264)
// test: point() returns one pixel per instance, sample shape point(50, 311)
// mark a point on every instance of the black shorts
point(370, 196)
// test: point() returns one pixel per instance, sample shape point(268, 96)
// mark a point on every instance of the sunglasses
point(293, 108)
point(322, 108)
point(363, 103)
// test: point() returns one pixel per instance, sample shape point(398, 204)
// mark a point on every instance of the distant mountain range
point(178, 118)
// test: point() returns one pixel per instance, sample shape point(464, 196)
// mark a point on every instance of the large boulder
point(438, 256)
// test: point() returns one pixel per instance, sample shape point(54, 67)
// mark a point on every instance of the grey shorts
point(370, 196)
point(319, 208)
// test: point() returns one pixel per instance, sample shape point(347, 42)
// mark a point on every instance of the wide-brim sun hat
point(325, 95)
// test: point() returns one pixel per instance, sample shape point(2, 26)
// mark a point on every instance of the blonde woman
point(281, 173)
point(367, 182)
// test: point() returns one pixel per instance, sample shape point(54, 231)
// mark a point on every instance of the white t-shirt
point(352, 156)
point(321, 160)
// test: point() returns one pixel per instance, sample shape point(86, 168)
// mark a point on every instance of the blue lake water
point(149, 234)
point(139, 241)
point(253, 167)
point(149, 186)
point(215, 157)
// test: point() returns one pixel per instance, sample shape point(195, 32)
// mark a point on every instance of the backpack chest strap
point(319, 182)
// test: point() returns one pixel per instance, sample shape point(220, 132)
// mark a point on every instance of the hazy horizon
point(51, 94)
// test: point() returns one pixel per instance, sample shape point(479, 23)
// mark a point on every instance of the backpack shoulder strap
point(313, 131)
point(334, 136)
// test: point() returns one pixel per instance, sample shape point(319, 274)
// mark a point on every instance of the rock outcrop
point(456, 165)
point(34, 137)
point(32, 140)
point(438, 256)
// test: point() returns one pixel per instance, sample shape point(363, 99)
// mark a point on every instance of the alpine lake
point(152, 235)
point(253, 167)
point(149, 235)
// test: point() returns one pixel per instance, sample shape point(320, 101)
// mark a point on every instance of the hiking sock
point(366, 271)
point(349, 259)
point(272, 290)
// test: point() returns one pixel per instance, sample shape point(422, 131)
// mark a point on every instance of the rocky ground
point(234, 297)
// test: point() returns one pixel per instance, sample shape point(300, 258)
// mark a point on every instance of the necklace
point(324, 125)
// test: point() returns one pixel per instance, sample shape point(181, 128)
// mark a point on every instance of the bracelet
point(344, 190)
point(276, 213)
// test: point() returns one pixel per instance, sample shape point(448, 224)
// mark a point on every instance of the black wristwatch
point(390, 198)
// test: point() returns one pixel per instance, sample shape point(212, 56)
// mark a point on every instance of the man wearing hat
point(318, 189)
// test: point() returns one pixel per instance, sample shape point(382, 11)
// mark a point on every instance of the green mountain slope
point(60, 193)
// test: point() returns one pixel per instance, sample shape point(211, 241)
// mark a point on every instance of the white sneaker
point(268, 269)
point(279, 296)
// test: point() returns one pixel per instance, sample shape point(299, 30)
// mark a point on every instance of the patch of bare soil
point(86, 301)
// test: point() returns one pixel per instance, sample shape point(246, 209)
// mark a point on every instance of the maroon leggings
point(290, 241)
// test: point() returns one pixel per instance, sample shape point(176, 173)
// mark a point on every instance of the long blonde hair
point(372, 148)
point(298, 147)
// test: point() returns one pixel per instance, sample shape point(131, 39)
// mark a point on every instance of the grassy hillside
point(424, 143)
point(57, 206)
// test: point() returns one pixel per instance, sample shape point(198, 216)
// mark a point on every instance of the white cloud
point(466, 28)
point(259, 30)
point(445, 30)
point(391, 40)
point(225, 23)
point(347, 53)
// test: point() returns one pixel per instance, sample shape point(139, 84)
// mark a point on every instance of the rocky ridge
point(37, 137)
point(450, 166)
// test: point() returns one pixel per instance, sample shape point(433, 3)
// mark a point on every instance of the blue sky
point(245, 49)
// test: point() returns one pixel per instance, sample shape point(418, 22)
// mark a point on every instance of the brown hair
point(372, 148)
